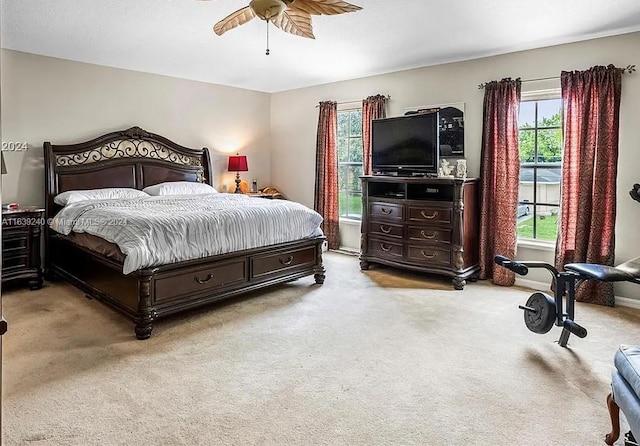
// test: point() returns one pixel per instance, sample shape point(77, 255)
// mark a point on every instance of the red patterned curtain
point(326, 193)
point(591, 106)
point(500, 174)
point(374, 107)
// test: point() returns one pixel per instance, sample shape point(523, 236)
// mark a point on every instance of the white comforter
point(166, 229)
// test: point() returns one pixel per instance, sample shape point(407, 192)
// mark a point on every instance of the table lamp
point(237, 164)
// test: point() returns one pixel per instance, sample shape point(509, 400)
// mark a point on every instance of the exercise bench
point(542, 311)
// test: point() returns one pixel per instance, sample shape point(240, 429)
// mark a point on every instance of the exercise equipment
point(629, 439)
point(542, 311)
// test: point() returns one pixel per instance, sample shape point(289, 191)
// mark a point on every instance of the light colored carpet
point(369, 358)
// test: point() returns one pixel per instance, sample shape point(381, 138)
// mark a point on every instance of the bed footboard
point(149, 294)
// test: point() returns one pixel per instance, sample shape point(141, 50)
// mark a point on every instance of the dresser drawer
point(276, 264)
point(13, 231)
point(431, 234)
point(387, 211)
point(384, 248)
point(12, 245)
point(429, 255)
point(430, 214)
point(15, 263)
point(385, 229)
point(199, 280)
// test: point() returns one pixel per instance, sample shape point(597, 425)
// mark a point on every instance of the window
point(350, 163)
point(540, 139)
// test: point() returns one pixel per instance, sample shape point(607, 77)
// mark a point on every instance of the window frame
point(342, 108)
point(536, 96)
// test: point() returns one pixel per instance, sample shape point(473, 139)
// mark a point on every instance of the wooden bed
point(136, 158)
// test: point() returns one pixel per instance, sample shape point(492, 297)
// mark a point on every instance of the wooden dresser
point(423, 224)
point(21, 229)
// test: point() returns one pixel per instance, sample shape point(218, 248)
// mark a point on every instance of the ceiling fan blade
point(233, 20)
point(296, 22)
point(323, 7)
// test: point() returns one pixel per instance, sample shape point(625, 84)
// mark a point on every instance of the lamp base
point(237, 191)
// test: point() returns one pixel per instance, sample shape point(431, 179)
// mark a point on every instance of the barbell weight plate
point(543, 316)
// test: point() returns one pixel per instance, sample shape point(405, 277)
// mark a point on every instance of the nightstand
point(21, 229)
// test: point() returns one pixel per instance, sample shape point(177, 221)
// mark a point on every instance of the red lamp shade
point(238, 163)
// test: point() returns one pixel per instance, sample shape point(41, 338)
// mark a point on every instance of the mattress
point(159, 230)
point(96, 244)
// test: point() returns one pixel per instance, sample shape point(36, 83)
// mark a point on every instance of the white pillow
point(110, 193)
point(180, 188)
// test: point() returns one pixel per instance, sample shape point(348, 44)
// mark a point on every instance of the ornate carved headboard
point(128, 158)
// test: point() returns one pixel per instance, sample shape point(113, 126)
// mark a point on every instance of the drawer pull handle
point(429, 217)
point(205, 280)
point(385, 248)
point(429, 256)
point(429, 236)
point(386, 211)
point(386, 229)
point(287, 262)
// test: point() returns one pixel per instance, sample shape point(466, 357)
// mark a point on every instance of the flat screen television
point(406, 145)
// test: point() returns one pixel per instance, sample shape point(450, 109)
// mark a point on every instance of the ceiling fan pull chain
point(267, 53)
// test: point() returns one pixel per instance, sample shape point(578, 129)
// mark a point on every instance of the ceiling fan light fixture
point(291, 16)
point(267, 9)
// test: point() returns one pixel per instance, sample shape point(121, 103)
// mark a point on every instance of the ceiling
point(175, 37)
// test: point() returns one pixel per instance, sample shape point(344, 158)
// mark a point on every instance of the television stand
point(424, 224)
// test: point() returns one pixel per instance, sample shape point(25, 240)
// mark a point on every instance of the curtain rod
point(387, 97)
point(629, 69)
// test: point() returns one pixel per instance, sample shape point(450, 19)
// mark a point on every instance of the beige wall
point(65, 102)
point(294, 119)
point(47, 99)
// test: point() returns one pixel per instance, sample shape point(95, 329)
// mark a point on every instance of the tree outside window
point(540, 140)
point(350, 163)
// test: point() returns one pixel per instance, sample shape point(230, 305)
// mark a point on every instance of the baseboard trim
point(347, 251)
point(534, 285)
point(627, 302)
point(542, 286)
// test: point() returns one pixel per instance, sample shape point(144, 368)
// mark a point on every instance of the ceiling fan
point(291, 16)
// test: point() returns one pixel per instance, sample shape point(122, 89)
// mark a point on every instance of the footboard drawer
point(199, 280)
point(275, 264)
